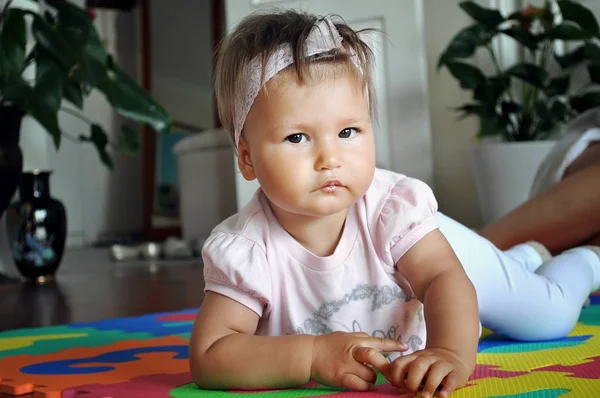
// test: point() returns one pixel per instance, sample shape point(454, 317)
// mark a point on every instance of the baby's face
point(311, 146)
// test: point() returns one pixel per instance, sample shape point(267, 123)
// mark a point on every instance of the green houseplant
point(529, 99)
point(522, 105)
point(70, 62)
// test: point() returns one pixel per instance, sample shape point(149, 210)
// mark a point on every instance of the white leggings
point(518, 295)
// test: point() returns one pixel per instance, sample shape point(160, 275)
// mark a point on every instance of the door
point(403, 137)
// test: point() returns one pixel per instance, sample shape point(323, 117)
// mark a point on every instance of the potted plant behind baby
point(59, 40)
point(522, 106)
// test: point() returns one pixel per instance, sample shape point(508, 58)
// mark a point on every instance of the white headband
point(322, 38)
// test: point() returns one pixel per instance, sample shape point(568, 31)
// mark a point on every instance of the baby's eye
point(348, 132)
point(295, 138)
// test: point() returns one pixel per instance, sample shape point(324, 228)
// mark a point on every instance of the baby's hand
point(431, 368)
point(340, 359)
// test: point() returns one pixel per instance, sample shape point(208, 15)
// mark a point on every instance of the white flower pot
point(504, 172)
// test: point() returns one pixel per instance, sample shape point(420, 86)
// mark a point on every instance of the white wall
point(182, 69)
point(454, 186)
point(111, 200)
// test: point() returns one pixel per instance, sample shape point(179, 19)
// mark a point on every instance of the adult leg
point(565, 216)
point(517, 295)
point(588, 158)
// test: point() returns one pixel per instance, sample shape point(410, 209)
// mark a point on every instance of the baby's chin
point(326, 208)
point(313, 209)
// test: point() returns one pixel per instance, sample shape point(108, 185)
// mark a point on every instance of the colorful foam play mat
point(147, 357)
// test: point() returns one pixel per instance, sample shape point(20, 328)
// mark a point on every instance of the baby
point(336, 269)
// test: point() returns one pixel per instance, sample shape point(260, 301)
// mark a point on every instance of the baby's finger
point(353, 382)
point(449, 384)
point(372, 357)
point(417, 371)
point(364, 372)
point(398, 371)
point(436, 375)
point(385, 345)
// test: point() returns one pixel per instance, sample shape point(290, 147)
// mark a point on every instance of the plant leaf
point(571, 58)
point(594, 72)
point(545, 119)
point(542, 110)
point(489, 126)
point(525, 130)
point(47, 117)
point(486, 16)
point(529, 73)
point(17, 91)
point(49, 17)
point(467, 110)
point(49, 83)
point(47, 96)
point(575, 12)
point(582, 103)
point(5, 67)
point(90, 71)
point(464, 43)
point(592, 51)
point(93, 64)
point(559, 111)
point(128, 141)
point(13, 40)
point(94, 47)
point(544, 126)
point(31, 56)
point(469, 76)
point(510, 107)
point(567, 31)
point(73, 93)
point(99, 138)
point(522, 36)
point(133, 102)
point(47, 38)
point(491, 90)
point(73, 23)
point(558, 86)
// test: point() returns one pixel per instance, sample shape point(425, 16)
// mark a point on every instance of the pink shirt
point(250, 258)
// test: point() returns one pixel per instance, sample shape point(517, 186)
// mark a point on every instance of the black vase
point(11, 158)
point(37, 228)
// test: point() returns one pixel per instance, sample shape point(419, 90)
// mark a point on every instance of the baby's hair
point(260, 35)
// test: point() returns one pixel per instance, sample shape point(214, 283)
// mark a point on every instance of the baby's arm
point(225, 353)
point(448, 296)
point(451, 315)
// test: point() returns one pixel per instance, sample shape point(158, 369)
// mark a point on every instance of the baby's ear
point(244, 160)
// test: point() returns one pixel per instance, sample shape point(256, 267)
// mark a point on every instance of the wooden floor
point(90, 287)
